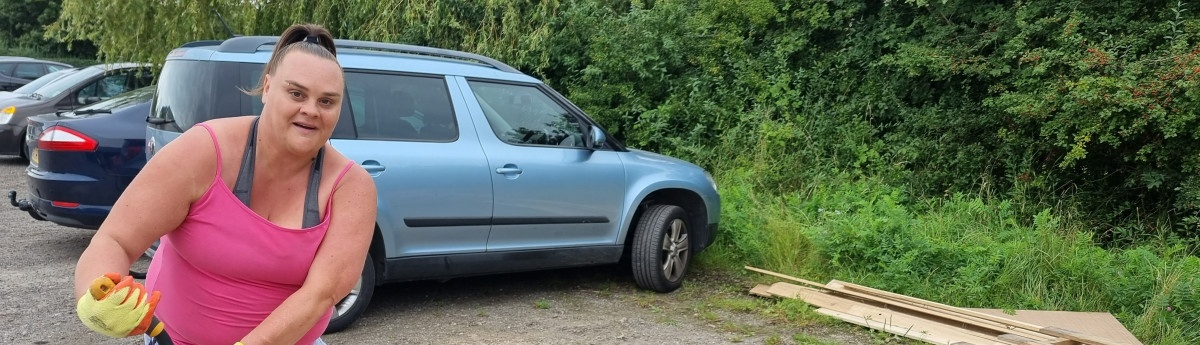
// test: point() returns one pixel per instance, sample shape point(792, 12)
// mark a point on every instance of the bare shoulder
point(192, 157)
point(356, 178)
point(231, 131)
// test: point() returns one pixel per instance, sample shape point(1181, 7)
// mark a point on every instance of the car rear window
point(378, 105)
point(400, 107)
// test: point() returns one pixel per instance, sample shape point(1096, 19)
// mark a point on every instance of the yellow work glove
point(117, 307)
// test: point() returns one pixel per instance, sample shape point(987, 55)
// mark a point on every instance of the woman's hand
point(117, 307)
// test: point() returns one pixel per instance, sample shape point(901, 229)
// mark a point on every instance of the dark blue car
point(80, 161)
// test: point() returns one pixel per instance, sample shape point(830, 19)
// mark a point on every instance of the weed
point(806, 339)
point(541, 304)
point(739, 304)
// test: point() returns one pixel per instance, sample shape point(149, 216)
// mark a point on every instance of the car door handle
point(509, 169)
point(373, 167)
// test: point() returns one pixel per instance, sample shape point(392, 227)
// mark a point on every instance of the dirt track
point(576, 306)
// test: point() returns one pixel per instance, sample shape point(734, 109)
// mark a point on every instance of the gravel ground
point(574, 306)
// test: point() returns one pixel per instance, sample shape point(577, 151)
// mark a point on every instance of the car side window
point(52, 68)
point(524, 115)
point(113, 85)
point(400, 107)
point(7, 68)
point(102, 89)
point(28, 71)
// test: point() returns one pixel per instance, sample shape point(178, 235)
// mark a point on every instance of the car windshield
point(32, 87)
point(60, 85)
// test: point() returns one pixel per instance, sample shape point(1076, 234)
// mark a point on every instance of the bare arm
point(335, 269)
point(155, 203)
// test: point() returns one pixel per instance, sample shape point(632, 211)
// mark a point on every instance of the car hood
point(23, 104)
point(7, 95)
point(659, 158)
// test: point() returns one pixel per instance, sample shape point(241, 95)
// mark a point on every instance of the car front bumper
point(11, 137)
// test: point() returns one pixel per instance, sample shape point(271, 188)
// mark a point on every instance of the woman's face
point(302, 101)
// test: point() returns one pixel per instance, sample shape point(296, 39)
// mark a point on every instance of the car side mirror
point(90, 100)
point(596, 139)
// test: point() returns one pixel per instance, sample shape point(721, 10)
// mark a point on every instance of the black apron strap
point(312, 213)
point(245, 179)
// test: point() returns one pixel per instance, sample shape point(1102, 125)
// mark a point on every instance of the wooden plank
point(784, 276)
point(920, 324)
point(1052, 331)
point(1080, 337)
point(1030, 333)
point(914, 321)
point(967, 321)
point(947, 335)
point(785, 290)
point(1019, 340)
point(1100, 324)
point(761, 290)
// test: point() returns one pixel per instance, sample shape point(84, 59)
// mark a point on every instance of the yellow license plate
point(33, 156)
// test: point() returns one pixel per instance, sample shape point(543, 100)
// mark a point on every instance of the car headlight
point(7, 113)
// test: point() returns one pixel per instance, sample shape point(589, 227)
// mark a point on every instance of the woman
point(264, 225)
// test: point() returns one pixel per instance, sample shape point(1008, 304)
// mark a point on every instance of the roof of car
point(365, 55)
point(108, 66)
point(22, 58)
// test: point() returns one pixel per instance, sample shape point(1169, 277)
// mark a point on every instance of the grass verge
point(959, 250)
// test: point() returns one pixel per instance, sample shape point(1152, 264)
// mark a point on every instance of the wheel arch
point(378, 253)
point(690, 201)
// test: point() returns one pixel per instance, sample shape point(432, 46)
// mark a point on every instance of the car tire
point(661, 248)
point(346, 311)
point(23, 148)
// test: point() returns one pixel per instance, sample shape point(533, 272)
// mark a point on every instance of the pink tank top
point(225, 268)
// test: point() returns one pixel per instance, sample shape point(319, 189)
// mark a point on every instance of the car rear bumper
point(82, 216)
point(78, 192)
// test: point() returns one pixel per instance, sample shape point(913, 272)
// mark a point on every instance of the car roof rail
point(250, 44)
point(200, 43)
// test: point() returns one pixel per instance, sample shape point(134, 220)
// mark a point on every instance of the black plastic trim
point(473, 264)
point(547, 220)
point(430, 222)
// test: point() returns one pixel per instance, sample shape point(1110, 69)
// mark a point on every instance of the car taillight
point(58, 138)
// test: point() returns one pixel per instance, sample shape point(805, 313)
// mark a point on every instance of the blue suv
point(481, 169)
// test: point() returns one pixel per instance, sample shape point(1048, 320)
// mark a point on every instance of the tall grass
point(961, 250)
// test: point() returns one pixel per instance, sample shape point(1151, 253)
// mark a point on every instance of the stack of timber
point(920, 319)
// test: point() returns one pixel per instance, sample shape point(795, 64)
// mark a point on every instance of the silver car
point(75, 88)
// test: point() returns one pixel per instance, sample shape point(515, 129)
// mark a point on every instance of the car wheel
point(352, 306)
point(23, 148)
point(661, 248)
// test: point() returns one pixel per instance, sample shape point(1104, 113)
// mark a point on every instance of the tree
point(22, 24)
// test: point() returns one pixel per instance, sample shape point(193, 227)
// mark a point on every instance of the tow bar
point(23, 205)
